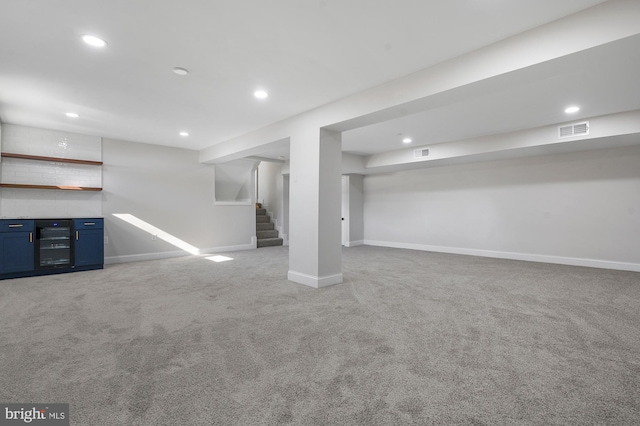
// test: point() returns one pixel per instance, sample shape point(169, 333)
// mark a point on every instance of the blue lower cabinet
point(89, 243)
point(16, 246)
point(30, 247)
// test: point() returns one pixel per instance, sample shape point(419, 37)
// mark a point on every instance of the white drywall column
point(315, 254)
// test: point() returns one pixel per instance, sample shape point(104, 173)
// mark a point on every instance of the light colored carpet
point(410, 338)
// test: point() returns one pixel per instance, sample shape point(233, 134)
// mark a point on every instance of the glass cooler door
point(54, 246)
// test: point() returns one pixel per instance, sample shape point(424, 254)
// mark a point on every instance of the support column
point(315, 252)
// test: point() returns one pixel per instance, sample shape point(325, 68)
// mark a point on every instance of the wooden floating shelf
point(54, 159)
point(60, 187)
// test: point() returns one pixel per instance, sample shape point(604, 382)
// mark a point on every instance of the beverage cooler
point(31, 247)
point(54, 244)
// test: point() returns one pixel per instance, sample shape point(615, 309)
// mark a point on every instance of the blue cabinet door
point(16, 252)
point(89, 242)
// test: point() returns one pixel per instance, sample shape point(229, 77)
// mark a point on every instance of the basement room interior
point(319, 212)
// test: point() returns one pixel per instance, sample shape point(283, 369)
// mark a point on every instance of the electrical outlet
point(154, 237)
point(106, 240)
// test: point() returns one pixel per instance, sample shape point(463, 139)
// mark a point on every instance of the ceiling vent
point(421, 153)
point(571, 130)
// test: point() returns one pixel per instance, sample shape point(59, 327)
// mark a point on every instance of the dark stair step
point(262, 219)
point(267, 234)
point(261, 212)
point(269, 242)
point(265, 226)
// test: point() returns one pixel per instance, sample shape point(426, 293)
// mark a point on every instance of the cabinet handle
point(77, 235)
point(30, 237)
point(89, 223)
point(16, 225)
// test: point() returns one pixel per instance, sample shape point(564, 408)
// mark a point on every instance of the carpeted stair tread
point(263, 219)
point(269, 242)
point(267, 234)
point(261, 212)
point(265, 226)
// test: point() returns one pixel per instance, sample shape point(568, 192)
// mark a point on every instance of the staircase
point(267, 235)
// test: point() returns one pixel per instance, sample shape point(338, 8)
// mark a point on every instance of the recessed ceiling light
point(180, 71)
point(407, 140)
point(94, 41)
point(185, 134)
point(72, 115)
point(572, 109)
point(260, 94)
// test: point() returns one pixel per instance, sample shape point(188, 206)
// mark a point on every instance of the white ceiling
point(602, 80)
point(306, 53)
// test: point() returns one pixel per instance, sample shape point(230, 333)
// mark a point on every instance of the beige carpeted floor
point(410, 338)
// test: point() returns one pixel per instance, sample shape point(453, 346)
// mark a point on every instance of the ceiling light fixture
point(72, 115)
point(407, 140)
point(260, 94)
point(184, 134)
point(572, 109)
point(180, 71)
point(94, 41)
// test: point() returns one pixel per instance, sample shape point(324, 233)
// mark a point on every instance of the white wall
point(575, 208)
point(234, 181)
point(268, 190)
point(171, 190)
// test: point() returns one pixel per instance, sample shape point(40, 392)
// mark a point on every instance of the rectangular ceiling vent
point(421, 153)
point(576, 129)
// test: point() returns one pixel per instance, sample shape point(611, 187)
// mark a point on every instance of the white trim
point(345, 231)
point(171, 254)
point(146, 256)
point(233, 203)
point(251, 246)
point(355, 243)
point(313, 281)
point(573, 261)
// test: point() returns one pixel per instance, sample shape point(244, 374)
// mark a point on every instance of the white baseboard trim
point(233, 203)
point(251, 246)
point(171, 254)
point(573, 261)
point(354, 243)
point(312, 281)
point(110, 260)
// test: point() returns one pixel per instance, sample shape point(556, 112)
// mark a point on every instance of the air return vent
point(421, 153)
point(576, 129)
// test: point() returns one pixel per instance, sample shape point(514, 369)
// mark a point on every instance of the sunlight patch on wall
point(159, 233)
